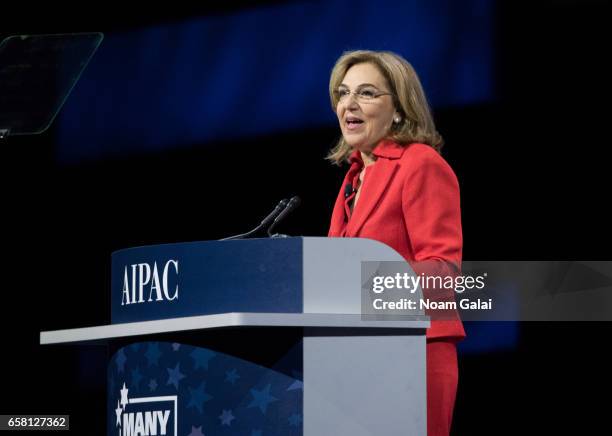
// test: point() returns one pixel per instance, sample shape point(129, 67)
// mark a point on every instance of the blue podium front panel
point(201, 278)
point(162, 388)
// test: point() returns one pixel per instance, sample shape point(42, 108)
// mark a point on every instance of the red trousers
point(442, 378)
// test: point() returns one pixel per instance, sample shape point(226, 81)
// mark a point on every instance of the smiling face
point(364, 122)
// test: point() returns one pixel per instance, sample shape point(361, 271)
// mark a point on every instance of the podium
point(256, 337)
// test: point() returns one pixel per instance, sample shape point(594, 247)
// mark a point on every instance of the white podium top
point(235, 319)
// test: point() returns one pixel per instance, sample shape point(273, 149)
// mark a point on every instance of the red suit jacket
point(410, 201)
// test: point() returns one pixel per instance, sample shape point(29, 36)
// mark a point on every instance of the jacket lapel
point(338, 214)
point(377, 178)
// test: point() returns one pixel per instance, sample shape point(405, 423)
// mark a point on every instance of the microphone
point(280, 207)
point(348, 190)
point(293, 203)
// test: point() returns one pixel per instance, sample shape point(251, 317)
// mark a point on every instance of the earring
point(397, 119)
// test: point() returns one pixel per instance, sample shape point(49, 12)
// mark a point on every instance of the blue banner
point(200, 278)
point(161, 388)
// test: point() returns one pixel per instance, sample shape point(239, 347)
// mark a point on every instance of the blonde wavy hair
point(409, 99)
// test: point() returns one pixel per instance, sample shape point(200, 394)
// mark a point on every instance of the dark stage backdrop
point(145, 152)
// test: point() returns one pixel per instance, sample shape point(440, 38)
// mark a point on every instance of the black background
point(534, 173)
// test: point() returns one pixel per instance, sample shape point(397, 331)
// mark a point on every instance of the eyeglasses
point(363, 95)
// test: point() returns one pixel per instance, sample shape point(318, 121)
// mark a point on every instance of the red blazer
point(410, 201)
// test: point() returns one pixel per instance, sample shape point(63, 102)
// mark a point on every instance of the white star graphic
point(118, 411)
point(124, 396)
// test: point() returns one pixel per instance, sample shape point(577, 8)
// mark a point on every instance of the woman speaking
point(399, 191)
